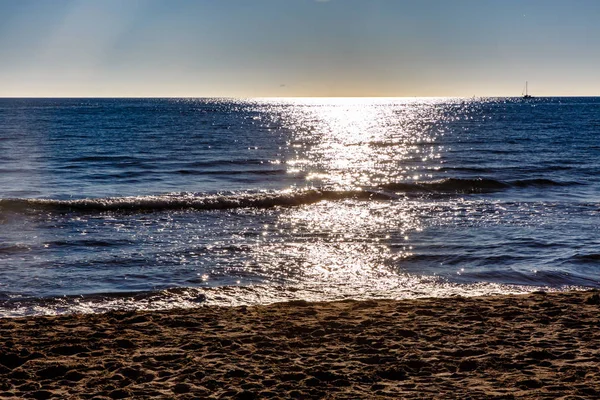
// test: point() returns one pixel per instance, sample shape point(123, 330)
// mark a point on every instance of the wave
point(541, 183)
point(288, 198)
point(14, 249)
point(593, 258)
point(17, 306)
point(190, 201)
point(98, 158)
point(280, 171)
point(451, 185)
point(477, 185)
point(123, 304)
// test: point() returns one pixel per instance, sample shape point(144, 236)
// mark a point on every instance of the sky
point(277, 48)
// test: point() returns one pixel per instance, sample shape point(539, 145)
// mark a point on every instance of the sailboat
point(527, 95)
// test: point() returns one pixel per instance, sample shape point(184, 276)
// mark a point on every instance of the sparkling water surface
point(155, 203)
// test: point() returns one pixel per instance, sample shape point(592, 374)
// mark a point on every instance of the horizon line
point(290, 97)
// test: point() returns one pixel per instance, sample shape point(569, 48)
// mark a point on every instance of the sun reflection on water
point(349, 143)
point(343, 243)
point(352, 144)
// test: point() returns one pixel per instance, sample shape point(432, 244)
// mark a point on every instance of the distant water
point(157, 203)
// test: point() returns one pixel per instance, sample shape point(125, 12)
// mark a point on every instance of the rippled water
point(154, 203)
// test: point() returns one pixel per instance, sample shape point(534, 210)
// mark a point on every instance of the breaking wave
point(287, 198)
point(191, 297)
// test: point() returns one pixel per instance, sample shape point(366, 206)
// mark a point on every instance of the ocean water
point(157, 203)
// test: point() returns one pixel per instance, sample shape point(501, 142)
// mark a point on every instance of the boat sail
point(526, 94)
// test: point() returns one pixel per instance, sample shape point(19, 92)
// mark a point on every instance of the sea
point(147, 204)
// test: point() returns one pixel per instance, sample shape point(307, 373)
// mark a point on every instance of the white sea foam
point(408, 287)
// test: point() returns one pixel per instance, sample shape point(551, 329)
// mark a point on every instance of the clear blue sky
point(253, 48)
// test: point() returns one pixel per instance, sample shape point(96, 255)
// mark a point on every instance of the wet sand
point(543, 345)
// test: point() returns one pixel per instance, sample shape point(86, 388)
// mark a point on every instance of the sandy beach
point(542, 345)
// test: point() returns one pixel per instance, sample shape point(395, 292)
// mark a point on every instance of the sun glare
point(354, 143)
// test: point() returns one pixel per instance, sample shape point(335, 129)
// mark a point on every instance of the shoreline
point(538, 345)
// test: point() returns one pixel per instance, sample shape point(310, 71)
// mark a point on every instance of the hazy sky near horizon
point(257, 48)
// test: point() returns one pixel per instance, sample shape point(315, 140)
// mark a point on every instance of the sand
point(542, 345)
